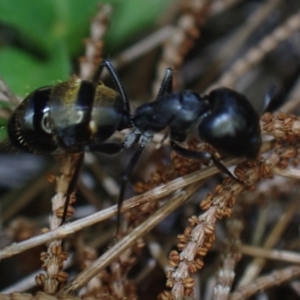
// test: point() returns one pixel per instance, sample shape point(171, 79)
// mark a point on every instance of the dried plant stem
point(280, 255)
point(197, 240)
point(86, 255)
point(235, 42)
point(182, 39)
point(174, 202)
point(143, 46)
point(54, 257)
point(153, 195)
point(257, 264)
point(8, 93)
point(265, 282)
point(43, 296)
point(155, 39)
point(262, 219)
point(220, 5)
point(288, 172)
point(94, 44)
point(158, 253)
point(257, 53)
point(230, 257)
point(249, 27)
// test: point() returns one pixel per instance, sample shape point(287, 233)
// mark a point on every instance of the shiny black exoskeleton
point(72, 116)
point(231, 125)
point(225, 119)
point(78, 115)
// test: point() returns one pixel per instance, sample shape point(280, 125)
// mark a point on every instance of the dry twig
point(55, 256)
point(257, 53)
point(128, 240)
point(230, 257)
point(94, 44)
point(264, 282)
point(184, 34)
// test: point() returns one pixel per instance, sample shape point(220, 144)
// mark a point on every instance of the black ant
point(77, 116)
point(225, 118)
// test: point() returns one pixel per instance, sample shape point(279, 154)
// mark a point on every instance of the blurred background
point(44, 42)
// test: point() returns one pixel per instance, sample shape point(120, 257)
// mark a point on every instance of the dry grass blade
point(153, 195)
point(281, 255)
point(257, 53)
point(264, 282)
point(112, 254)
point(257, 264)
point(4, 89)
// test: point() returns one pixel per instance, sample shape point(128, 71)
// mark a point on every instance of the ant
point(78, 115)
point(225, 118)
point(71, 117)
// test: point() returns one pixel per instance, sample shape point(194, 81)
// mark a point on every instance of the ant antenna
point(115, 77)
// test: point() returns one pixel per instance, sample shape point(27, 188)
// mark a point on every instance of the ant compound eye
point(45, 123)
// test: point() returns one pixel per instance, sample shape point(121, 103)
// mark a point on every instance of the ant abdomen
point(232, 124)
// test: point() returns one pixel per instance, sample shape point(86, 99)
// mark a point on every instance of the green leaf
point(31, 19)
point(54, 30)
point(23, 73)
point(41, 23)
point(131, 17)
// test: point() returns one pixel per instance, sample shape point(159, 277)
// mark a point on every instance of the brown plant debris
point(198, 238)
point(258, 52)
point(182, 40)
point(52, 260)
point(94, 44)
point(230, 257)
point(275, 278)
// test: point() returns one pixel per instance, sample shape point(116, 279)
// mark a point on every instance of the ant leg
point(128, 171)
point(203, 156)
point(166, 85)
point(113, 73)
point(72, 186)
point(190, 153)
point(224, 169)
